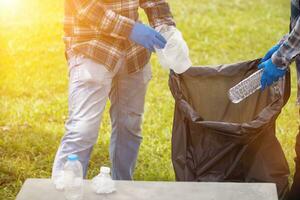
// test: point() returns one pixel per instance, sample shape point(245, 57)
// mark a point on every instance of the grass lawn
point(33, 82)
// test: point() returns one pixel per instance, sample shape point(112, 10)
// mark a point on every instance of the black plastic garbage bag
point(216, 140)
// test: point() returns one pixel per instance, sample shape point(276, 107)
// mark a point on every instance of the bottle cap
point(105, 170)
point(72, 157)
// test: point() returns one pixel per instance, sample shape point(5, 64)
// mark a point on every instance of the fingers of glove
point(150, 46)
point(266, 57)
point(276, 47)
point(269, 75)
point(160, 37)
point(146, 45)
point(151, 49)
point(159, 44)
point(273, 50)
point(281, 72)
point(263, 83)
point(270, 80)
point(261, 66)
point(270, 53)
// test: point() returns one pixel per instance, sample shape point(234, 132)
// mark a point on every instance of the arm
point(99, 18)
point(158, 12)
point(289, 49)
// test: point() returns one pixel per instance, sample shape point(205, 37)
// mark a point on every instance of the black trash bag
point(214, 140)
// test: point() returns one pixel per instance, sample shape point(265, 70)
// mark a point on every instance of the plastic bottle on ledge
point(103, 183)
point(73, 179)
point(246, 87)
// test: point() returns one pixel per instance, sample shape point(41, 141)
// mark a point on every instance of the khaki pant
point(91, 84)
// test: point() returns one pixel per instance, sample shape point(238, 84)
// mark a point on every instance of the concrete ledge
point(43, 189)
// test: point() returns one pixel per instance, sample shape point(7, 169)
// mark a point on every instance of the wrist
point(278, 61)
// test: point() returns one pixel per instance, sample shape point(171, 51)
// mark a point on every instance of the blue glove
point(271, 73)
point(147, 37)
point(270, 53)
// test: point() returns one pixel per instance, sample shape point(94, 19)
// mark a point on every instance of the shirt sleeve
point(283, 39)
point(289, 48)
point(158, 12)
point(98, 17)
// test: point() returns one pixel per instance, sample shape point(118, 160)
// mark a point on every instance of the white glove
point(175, 55)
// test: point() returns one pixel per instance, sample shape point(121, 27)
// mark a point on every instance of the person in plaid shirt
point(108, 51)
point(274, 65)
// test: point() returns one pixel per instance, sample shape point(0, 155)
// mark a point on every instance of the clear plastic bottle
point(246, 87)
point(103, 183)
point(73, 178)
point(175, 55)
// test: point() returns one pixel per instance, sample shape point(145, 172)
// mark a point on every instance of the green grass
point(33, 82)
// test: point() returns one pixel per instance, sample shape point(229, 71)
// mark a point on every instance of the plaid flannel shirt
point(100, 29)
point(291, 44)
point(290, 48)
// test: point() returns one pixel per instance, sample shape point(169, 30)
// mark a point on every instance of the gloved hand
point(271, 73)
point(270, 53)
point(147, 37)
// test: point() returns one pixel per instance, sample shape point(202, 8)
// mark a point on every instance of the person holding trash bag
point(108, 51)
point(274, 63)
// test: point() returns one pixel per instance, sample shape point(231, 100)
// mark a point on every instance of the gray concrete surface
point(43, 189)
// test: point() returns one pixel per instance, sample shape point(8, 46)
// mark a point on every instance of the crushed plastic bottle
point(103, 183)
point(246, 87)
point(175, 55)
point(73, 179)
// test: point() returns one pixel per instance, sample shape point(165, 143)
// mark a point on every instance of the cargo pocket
point(85, 70)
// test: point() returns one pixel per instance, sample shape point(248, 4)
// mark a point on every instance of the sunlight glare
point(9, 5)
